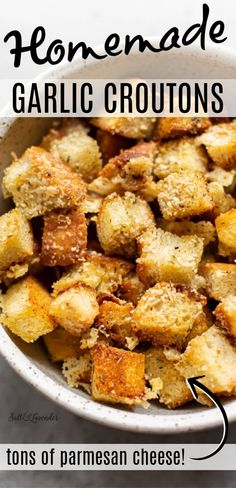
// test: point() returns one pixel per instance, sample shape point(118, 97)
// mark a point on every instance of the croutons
point(25, 309)
point(168, 257)
point(75, 309)
point(78, 370)
point(173, 390)
point(225, 312)
point(180, 154)
point(211, 355)
point(166, 313)
point(61, 345)
point(116, 320)
point(131, 127)
point(184, 194)
point(220, 143)
point(39, 183)
point(203, 229)
point(100, 272)
point(73, 146)
point(118, 375)
point(223, 202)
point(171, 127)
point(64, 237)
point(16, 239)
point(131, 288)
point(120, 221)
point(111, 144)
point(220, 279)
point(226, 231)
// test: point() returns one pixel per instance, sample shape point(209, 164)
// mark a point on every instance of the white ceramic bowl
point(30, 361)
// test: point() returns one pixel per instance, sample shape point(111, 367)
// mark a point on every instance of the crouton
point(91, 204)
point(203, 229)
point(180, 154)
point(202, 323)
point(173, 391)
point(166, 313)
point(120, 221)
point(16, 239)
point(118, 375)
point(221, 176)
point(39, 183)
point(226, 231)
point(220, 279)
point(171, 127)
point(102, 273)
point(64, 237)
point(78, 370)
point(225, 312)
point(116, 320)
point(13, 273)
point(184, 194)
point(220, 143)
point(167, 257)
point(75, 309)
point(131, 127)
point(73, 146)
point(61, 345)
point(211, 355)
point(25, 309)
point(111, 144)
point(223, 202)
point(131, 288)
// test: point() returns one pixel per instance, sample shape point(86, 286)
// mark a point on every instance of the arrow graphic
point(192, 384)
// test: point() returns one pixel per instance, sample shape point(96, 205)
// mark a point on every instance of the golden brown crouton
point(220, 143)
point(180, 154)
point(13, 273)
point(16, 238)
point(118, 375)
point(223, 202)
point(202, 323)
point(226, 231)
point(131, 288)
point(120, 221)
point(173, 390)
point(91, 204)
point(61, 345)
point(220, 279)
point(225, 312)
point(25, 309)
point(116, 320)
point(131, 127)
point(39, 183)
point(221, 176)
point(203, 229)
point(100, 272)
point(78, 370)
point(168, 257)
point(75, 309)
point(184, 194)
point(64, 237)
point(73, 146)
point(211, 355)
point(171, 127)
point(166, 313)
point(111, 144)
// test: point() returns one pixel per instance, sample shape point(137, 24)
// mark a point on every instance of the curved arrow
point(192, 384)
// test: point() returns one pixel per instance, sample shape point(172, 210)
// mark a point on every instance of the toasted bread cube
point(173, 391)
point(180, 154)
point(184, 194)
point(91, 204)
point(226, 231)
point(211, 355)
point(225, 312)
point(203, 229)
point(202, 323)
point(73, 146)
point(171, 127)
point(25, 309)
point(16, 238)
point(116, 320)
point(61, 345)
point(223, 202)
point(120, 221)
point(100, 272)
point(111, 144)
point(78, 371)
point(64, 237)
point(131, 127)
point(39, 183)
point(168, 257)
point(13, 273)
point(221, 176)
point(118, 375)
point(220, 279)
point(75, 309)
point(166, 313)
point(131, 288)
point(220, 143)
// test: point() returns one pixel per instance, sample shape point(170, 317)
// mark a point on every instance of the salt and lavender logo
point(33, 417)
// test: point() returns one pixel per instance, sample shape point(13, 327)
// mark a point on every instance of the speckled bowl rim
point(86, 407)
